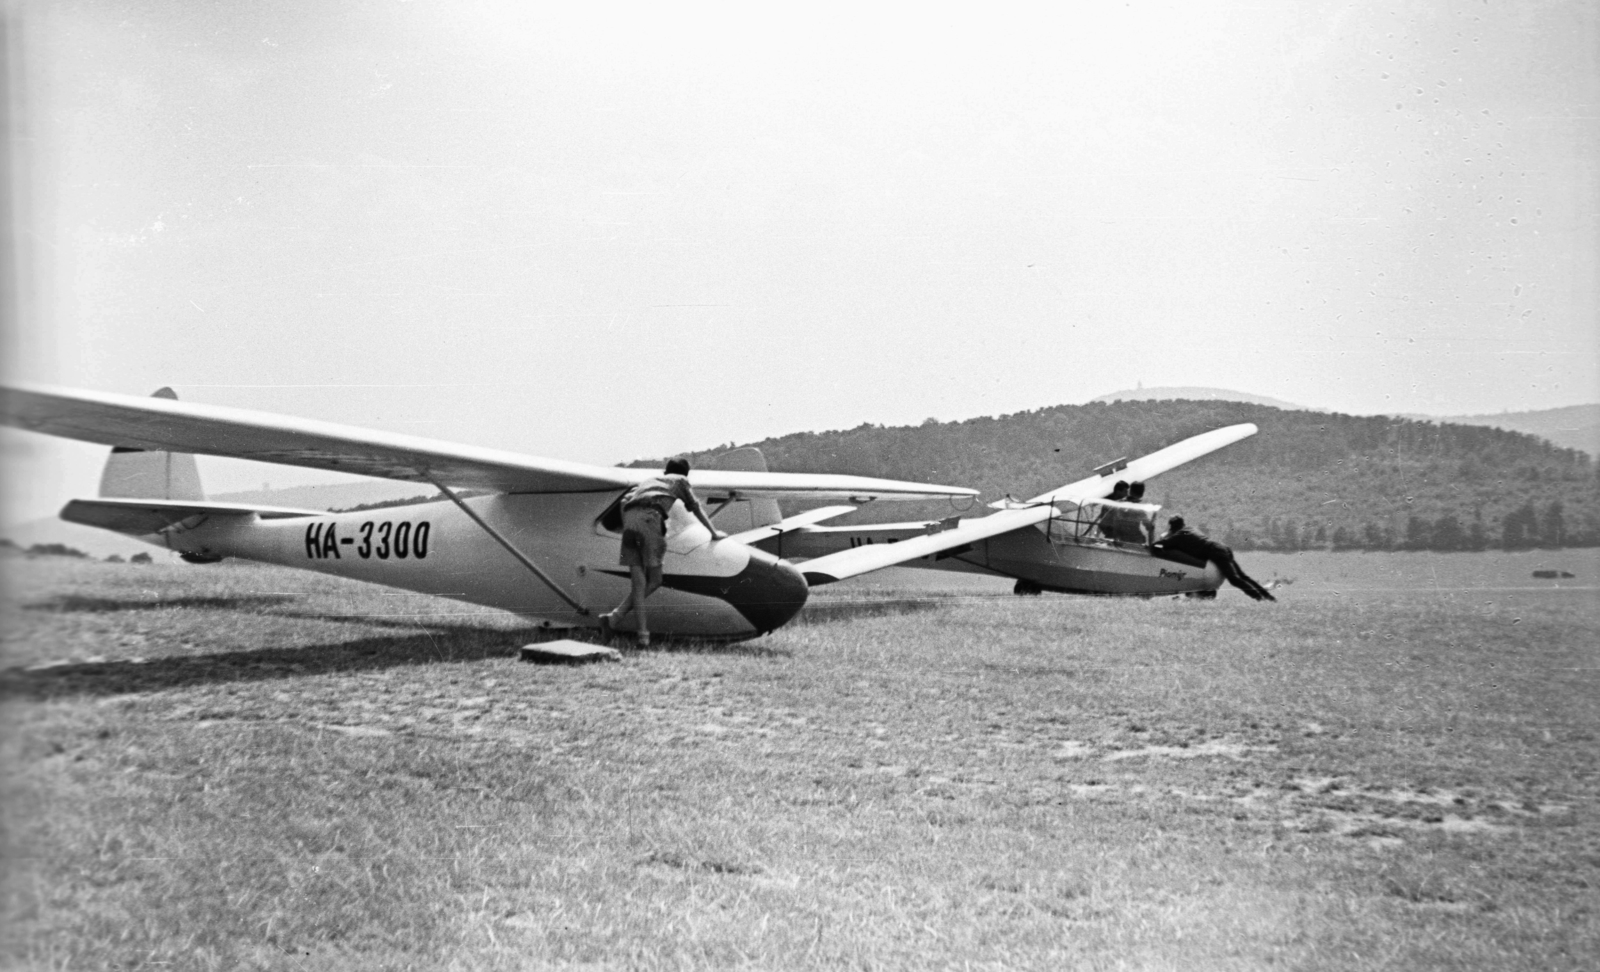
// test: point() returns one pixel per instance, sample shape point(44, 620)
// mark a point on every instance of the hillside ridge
point(1308, 479)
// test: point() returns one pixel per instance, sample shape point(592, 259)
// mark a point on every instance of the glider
point(538, 537)
point(1071, 540)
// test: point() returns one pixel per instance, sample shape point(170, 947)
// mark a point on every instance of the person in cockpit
point(1143, 521)
point(1124, 526)
point(1107, 521)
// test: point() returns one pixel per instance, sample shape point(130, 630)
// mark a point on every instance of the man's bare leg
point(633, 598)
point(643, 583)
point(641, 590)
point(638, 590)
point(646, 580)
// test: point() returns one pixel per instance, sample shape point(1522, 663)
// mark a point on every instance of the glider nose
point(768, 592)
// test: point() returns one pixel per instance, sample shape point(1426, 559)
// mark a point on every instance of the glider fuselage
point(711, 589)
point(1030, 555)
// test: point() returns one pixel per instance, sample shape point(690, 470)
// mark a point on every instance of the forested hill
point(1308, 479)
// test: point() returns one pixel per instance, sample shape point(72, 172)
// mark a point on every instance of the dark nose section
point(768, 592)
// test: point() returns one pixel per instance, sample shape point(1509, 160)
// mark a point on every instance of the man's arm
point(692, 504)
point(701, 514)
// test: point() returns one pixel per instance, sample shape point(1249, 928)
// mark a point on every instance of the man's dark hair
point(1175, 523)
point(1135, 492)
point(678, 466)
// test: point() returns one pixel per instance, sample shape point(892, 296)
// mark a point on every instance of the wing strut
point(510, 547)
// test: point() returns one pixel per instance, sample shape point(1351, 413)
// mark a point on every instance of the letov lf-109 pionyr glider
point(1072, 539)
point(541, 540)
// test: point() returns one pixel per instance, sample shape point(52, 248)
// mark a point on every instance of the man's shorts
point(644, 537)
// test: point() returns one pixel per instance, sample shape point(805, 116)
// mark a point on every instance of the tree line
point(1525, 528)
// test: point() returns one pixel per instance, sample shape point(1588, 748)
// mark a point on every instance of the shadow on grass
point(825, 612)
point(74, 604)
point(407, 622)
point(433, 644)
point(663, 643)
point(439, 644)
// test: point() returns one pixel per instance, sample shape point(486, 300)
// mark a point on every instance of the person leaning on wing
point(645, 509)
point(1186, 540)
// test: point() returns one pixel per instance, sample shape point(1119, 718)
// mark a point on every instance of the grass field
point(236, 767)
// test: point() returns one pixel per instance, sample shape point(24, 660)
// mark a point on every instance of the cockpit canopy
point(1103, 521)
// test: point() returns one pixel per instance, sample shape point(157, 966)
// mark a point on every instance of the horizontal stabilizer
point(862, 560)
point(792, 523)
point(162, 424)
point(142, 518)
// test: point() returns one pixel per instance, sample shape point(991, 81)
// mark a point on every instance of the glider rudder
point(738, 516)
point(132, 473)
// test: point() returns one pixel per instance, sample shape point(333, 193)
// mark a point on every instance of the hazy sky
point(598, 232)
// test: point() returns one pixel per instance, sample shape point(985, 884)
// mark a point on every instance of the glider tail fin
point(742, 515)
point(145, 474)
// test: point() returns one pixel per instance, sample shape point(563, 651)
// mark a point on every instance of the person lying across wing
point(1196, 544)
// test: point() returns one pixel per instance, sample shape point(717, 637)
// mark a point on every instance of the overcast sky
point(597, 232)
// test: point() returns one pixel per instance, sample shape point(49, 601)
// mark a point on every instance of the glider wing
point(1146, 467)
point(790, 523)
point(861, 560)
point(213, 430)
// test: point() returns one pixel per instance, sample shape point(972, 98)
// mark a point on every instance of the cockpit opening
point(1103, 522)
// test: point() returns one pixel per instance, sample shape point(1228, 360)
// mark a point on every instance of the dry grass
point(244, 767)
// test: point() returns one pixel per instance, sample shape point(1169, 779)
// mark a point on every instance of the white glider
point(541, 541)
point(1050, 542)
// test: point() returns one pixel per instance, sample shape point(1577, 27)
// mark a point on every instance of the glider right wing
point(163, 424)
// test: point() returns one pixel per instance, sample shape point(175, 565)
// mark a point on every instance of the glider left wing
point(791, 523)
point(862, 560)
point(213, 430)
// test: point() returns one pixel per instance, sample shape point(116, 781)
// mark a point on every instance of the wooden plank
point(565, 651)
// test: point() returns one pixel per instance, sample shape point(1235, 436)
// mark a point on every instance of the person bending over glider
point(645, 509)
point(1186, 541)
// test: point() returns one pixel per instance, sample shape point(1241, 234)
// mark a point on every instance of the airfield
point(239, 767)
